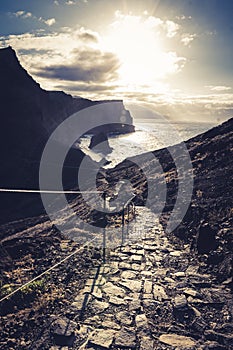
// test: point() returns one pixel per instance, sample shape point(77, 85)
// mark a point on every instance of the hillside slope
point(193, 264)
point(207, 225)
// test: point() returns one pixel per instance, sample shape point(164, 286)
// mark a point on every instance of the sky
point(173, 56)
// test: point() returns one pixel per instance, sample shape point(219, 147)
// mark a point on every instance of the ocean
point(147, 137)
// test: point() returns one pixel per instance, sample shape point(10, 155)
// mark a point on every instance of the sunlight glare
point(137, 42)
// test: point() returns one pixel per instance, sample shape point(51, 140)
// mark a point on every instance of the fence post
point(104, 231)
point(123, 223)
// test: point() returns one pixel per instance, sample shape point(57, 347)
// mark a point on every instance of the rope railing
point(47, 271)
point(126, 205)
point(15, 190)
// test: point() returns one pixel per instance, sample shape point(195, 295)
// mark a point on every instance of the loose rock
point(102, 337)
point(177, 340)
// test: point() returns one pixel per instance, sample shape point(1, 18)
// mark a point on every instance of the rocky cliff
point(29, 115)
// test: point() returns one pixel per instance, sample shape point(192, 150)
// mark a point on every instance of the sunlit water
point(147, 137)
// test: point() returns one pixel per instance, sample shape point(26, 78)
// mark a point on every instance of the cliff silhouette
point(29, 115)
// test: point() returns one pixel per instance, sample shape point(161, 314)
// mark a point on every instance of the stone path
point(147, 296)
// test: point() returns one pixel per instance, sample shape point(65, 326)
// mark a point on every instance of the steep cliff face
point(29, 115)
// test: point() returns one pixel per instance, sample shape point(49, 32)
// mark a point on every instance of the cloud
point(87, 65)
point(218, 88)
point(49, 22)
point(22, 14)
point(183, 17)
point(172, 28)
point(186, 39)
point(77, 60)
point(70, 2)
point(73, 55)
point(87, 36)
point(79, 88)
point(169, 27)
point(25, 15)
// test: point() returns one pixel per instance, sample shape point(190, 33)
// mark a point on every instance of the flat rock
point(176, 253)
point(137, 267)
point(159, 293)
point(125, 266)
point(95, 291)
point(129, 275)
point(111, 290)
point(148, 286)
point(102, 337)
point(146, 343)
point(100, 281)
point(141, 322)
point(116, 301)
point(169, 280)
point(81, 301)
point(135, 305)
point(110, 325)
point(136, 258)
point(147, 273)
point(99, 306)
point(137, 251)
point(179, 274)
point(126, 338)
point(132, 285)
point(191, 292)
point(180, 302)
point(93, 321)
point(124, 318)
point(151, 248)
point(149, 303)
point(177, 340)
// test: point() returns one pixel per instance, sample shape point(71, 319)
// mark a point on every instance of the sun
point(137, 42)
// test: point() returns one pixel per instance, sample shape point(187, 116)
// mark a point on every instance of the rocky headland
point(29, 115)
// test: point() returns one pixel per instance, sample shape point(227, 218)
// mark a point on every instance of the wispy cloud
point(22, 14)
point(183, 17)
point(169, 27)
point(28, 15)
point(49, 22)
point(218, 88)
point(172, 28)
point(186, 39)
point(70, 2)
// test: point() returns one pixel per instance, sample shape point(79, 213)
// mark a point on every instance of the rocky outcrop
point(100, 143)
